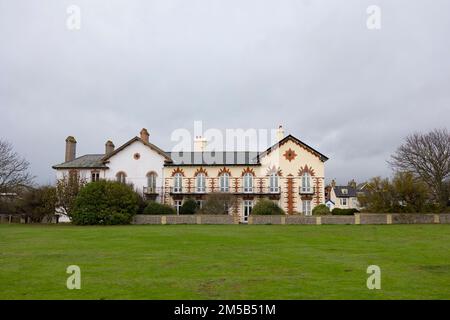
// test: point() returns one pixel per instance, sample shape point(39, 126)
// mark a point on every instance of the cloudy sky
point(312, 65)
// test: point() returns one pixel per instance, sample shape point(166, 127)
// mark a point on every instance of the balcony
point(306, 190)
point(152, 190)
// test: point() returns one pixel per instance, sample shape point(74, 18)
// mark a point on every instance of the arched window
point(121, 177)
point(224, 182)
point(273, 182)
point(248, 182)
point(151, 181)
point(306, 183)
point(200, 182)
point(178, 182)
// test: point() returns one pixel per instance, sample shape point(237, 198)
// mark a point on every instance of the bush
point(189, 207)
point(105, 202)
point(158, 208)
point(37, 204)
point(321, 209)
point(343, 212)
point(266, 207)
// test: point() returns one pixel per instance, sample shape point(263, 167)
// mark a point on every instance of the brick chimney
point(109, 147)
point(333, 183)
point(71, 148)
point(280, 133)
point(144, 135)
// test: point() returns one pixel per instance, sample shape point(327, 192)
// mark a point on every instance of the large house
point(290, 172)
point(344, 197)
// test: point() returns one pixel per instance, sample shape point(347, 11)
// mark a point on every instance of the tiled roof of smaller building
point(340, 192)
point(88, 161)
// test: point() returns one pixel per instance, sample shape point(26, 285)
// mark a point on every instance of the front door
point(248, 206)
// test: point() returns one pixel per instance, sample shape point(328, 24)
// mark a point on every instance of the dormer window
point(344, 191)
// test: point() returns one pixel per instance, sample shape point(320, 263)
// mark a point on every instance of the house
point(291, 173)
point(343, 197)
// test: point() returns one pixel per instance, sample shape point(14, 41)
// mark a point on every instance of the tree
point(67, 189)
point(410, 193)
point(379, 196)
point(14, 173)
point(189, 206)
point(38, 203)
point(428, 157)
point(219, 203)
point(105, 202)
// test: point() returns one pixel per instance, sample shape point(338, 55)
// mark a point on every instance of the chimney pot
point(71, 148)
point(280, 133)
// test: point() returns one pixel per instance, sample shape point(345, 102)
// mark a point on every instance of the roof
point(297, 141)
point(148, 144)
point(351, 192)
point(212, 158)
point(89, 161)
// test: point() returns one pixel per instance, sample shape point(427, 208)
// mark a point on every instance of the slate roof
point(351, 192)
point(213, 158)
point(88, 161)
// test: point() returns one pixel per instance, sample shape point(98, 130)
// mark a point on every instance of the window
point(344, 201)
point(95, 176)
point(248, 182)
point(248, 207)
point(344, 191)
point(178, 182)
point(121, 177)
point(200, 183)
point(226, 207)
point(178, 205)
point(306, 183)
point(199, 203)
point(224, 182)
point(273, 183)
point(306, 206)
point(151, 181)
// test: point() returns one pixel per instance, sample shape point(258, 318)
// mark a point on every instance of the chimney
point(109, 147)
point(200, 144)
point(71, 148)
point(352, 183)
point(333, 183)
point(280, 133)
point(144, 135)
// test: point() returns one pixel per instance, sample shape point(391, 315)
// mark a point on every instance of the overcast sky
point(311, 65)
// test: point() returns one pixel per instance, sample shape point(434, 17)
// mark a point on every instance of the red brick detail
point(236, 185)
point(224, 170)
point(290, 194)
point(178, 170)
point(318, 188)
point(201, 170)
point(260, 184)
point(189, 184)
point(248, 170)
point(290, 155)
point(212, 184)
point(306, 169)
point(274, 169)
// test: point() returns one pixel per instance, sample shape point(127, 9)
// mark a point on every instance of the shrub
point(344, 212)
point(189, 207)
point(321, 209)
point(158, 208)
point(266, 207)
point(105, 202)
point(38, 204)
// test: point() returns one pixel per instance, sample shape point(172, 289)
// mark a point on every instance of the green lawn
point(225, 262)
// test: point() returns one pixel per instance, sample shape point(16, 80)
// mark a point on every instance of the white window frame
point(121, 177)
point(306, 207)
point(224, 182)
point(344, 201)
point(248, 183)
point(274, 186)
point(200, 183)
point(306, 182)
point(247, 210)
point(151, 181)
point(178, 183)
point(178, 204)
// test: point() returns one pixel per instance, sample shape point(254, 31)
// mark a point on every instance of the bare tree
point(428, 157)
point(67, 189)
point(14, 173)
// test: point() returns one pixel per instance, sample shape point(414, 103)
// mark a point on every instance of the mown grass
point(225, 262)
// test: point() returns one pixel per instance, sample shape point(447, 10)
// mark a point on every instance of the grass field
point(225, 262)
